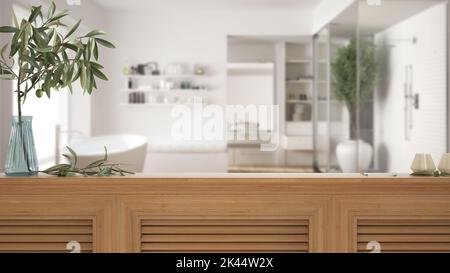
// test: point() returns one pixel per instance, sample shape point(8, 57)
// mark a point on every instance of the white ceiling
point(373, 19)
point(256, 5)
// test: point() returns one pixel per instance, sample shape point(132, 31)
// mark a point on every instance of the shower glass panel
point(402, 83)
point(321, 101)
point(384, 94)
point(336, 83)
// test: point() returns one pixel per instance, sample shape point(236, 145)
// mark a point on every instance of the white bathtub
point(129, 150)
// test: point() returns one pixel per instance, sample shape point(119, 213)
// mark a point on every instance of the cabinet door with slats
point(224, 235)
point(406, 235)
point(44, 235)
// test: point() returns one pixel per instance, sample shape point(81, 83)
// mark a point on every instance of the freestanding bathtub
point(128, 150)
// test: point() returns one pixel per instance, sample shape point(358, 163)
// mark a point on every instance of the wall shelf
point(326, 101)
point(310, 101)
point(125, 104)
point(299, 74)
point(299, 61)
point(299, 101)
point(159, 77)
point(147, 90)
point(189, 91)
point(300, 123)
point(300, 81)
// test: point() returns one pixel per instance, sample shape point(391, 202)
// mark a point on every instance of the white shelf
point(159, 77)
point(310, 101)
point(299, 101)
point(303, 122)
point(299, 61)
point(157, 104)
point(191, 91)
point(325, 101)
point(300, 81)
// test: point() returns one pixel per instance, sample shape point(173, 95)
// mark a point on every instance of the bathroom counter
point(226, 212)
point(235, 183)
point(244, 175)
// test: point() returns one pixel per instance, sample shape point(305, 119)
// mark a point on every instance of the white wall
point(167, 35)
point(87, 11)
point(429, 60)
point(79, 104)
point(251, 52)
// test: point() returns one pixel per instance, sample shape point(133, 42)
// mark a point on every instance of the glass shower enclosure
point(332, 120)
point(380, 87)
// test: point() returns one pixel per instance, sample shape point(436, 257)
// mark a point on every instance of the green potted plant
point(354, 62)
point(41, 59)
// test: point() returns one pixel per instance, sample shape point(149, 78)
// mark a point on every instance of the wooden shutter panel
point(422, 235)
point(44, 235)
point(224, 235)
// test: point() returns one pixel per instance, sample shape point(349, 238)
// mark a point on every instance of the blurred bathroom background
point(361, 86)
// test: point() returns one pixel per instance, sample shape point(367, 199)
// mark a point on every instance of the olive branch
point(99, 167)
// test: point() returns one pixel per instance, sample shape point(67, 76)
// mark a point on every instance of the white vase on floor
point(346, 155)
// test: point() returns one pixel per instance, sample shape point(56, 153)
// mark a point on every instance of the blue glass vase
point(21, 159)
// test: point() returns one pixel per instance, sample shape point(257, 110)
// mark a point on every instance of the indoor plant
point(354, 62)
point(42, 59)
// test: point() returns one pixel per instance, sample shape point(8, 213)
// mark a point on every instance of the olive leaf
point(104, 43)
point(74, 28)
point(8, 29)
point(95, 164)
point(99, 167)
point(96, 32)
point(56, 168)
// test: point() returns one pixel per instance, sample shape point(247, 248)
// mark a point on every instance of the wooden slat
point(45, 238)
point(49, 222)
point(224, 246)
point(158, 222)
point(404, 222)
point(225, 238)
point(404, 238)
point(40, 246)
point(225, 230)
point(403, 229)
point(221, 251)
point(45, 230)
point(225, 235)
point(410, 246)
point(44, 235)
point(405, 235)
